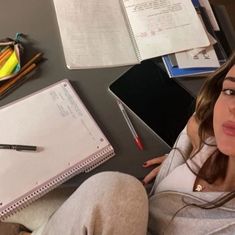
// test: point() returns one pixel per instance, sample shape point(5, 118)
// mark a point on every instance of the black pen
point(18, 147)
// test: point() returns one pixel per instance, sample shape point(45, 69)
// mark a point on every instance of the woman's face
point(224, 116)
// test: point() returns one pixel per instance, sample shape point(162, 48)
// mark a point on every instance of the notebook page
point(58, 123)
point(164, 27)
point(94, 33)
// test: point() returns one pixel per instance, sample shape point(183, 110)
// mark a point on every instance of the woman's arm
point(187, 143)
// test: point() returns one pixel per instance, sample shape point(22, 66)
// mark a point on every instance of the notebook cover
point(68, 140)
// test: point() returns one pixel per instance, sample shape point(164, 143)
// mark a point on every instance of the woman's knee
point(108, 201)
point(118, 196)
point(115, 183)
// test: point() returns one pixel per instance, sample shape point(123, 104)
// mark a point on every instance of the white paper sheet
point(165, 26)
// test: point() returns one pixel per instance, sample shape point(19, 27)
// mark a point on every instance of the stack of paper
point(200, 60)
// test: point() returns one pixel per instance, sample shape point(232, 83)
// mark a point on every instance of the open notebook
point(106, 33)
point(68, 141)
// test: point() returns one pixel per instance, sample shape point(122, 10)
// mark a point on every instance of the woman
point(193, 192)
point(203, 159)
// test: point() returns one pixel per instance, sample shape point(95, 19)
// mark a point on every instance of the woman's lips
point(229, 128)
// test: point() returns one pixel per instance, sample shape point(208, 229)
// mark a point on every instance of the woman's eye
point(228, 91)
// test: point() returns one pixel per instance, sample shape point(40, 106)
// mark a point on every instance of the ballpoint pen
point(18, 147)
point(131, 127)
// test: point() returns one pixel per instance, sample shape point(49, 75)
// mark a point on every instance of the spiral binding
point(86, 166)
point(130, 29)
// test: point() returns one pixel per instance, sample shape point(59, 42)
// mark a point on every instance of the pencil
point(6, 86)
point(5, 55)
point(20, 77)
point(34, 59)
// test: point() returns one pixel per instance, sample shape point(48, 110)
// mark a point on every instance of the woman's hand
point(155, 161)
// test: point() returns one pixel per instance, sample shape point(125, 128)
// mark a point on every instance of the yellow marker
point(9, 65)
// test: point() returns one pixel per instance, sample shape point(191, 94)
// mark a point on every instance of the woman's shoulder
point(197, 160)
point(192, 132)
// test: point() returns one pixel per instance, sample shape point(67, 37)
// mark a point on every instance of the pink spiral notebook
point(68, 142)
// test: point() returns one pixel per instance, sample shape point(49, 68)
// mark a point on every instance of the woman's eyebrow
point(232, 79)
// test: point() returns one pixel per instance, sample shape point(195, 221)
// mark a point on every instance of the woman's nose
point(232, 107)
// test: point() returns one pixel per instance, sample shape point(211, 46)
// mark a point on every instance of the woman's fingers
point(154, 161)
point(150, 176)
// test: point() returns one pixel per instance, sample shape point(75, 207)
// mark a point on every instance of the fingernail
point(145, 164)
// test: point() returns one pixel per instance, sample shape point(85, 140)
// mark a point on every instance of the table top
point(37, 20)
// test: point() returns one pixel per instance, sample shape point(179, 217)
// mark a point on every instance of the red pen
point(137, 139)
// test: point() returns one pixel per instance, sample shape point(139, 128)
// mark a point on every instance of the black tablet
point(158, 100)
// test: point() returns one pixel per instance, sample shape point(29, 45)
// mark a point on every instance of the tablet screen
point(158, 100)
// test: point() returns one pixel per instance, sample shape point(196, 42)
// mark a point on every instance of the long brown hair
point(216, 165)
point(207, 97)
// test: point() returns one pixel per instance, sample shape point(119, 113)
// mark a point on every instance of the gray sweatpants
point(108, 203)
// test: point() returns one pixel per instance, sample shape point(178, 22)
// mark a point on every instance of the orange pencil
point(20, 77)
point(5, 54)
point(7, 85)
point(4, 49)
